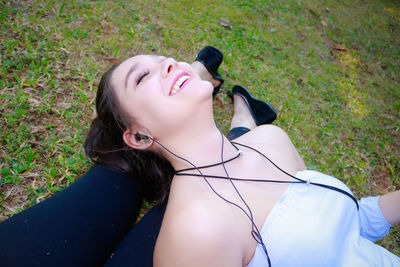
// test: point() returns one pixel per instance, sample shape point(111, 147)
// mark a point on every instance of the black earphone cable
point(301, 180)
point(244, 179)
point(201, 174)
point(211, 165)
point(255, 231)
point(256, 234)
point(276, 181)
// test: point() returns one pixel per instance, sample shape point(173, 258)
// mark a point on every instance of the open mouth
point(180, 81)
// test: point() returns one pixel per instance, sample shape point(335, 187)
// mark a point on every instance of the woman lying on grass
point(250, 202)
point(89, 223)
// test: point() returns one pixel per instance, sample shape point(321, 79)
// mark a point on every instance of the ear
point(137, 140)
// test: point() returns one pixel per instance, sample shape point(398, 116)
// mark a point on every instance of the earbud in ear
point(140, 137)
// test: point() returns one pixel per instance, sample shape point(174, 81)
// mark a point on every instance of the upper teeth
point(179, 83)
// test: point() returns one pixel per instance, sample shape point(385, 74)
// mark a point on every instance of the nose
point(168, 65)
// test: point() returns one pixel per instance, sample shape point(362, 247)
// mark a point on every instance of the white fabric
point(314, 226)
point(373, 225)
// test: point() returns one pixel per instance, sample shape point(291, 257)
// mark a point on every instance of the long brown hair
point(104, 144)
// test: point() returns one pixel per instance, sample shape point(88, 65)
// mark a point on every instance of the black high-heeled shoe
point(263, 112)
point(211, 58)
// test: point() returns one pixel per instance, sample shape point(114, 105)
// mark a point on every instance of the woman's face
point(158, 92)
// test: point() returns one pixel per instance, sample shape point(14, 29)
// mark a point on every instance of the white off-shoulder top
point(314, 226)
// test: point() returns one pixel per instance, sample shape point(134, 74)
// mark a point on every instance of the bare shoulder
point(265, 136)
point(268, 134)
point(194, 237)
point(275, 142)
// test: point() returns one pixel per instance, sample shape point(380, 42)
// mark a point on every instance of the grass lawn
point(332, 69)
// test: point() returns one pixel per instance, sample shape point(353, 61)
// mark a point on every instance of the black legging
point(87, 224)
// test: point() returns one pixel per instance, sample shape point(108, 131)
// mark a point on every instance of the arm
point(390, 207)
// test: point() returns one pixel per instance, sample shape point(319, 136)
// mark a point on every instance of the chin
point(204, 89)
point(208, 91)
point(209, 88)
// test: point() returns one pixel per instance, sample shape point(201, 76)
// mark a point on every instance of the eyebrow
point(132, 69)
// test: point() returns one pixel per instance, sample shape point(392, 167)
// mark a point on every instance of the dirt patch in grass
point(381, 182)
point(15, 198)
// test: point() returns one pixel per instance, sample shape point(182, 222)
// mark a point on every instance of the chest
point(250, 209)
point(309, 222)
point(296, 215)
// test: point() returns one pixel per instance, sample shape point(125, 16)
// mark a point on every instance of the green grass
point(341, 108)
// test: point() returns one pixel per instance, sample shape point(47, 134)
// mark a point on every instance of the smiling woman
point(144, 86)
point(83, 224)
point(246, 200)
point(230, 208)
point(155, 101)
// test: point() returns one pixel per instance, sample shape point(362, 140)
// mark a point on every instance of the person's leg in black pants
point(79, 226)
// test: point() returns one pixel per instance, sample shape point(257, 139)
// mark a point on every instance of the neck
point(200, 146)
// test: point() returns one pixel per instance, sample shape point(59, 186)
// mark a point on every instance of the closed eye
point(141, 76)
